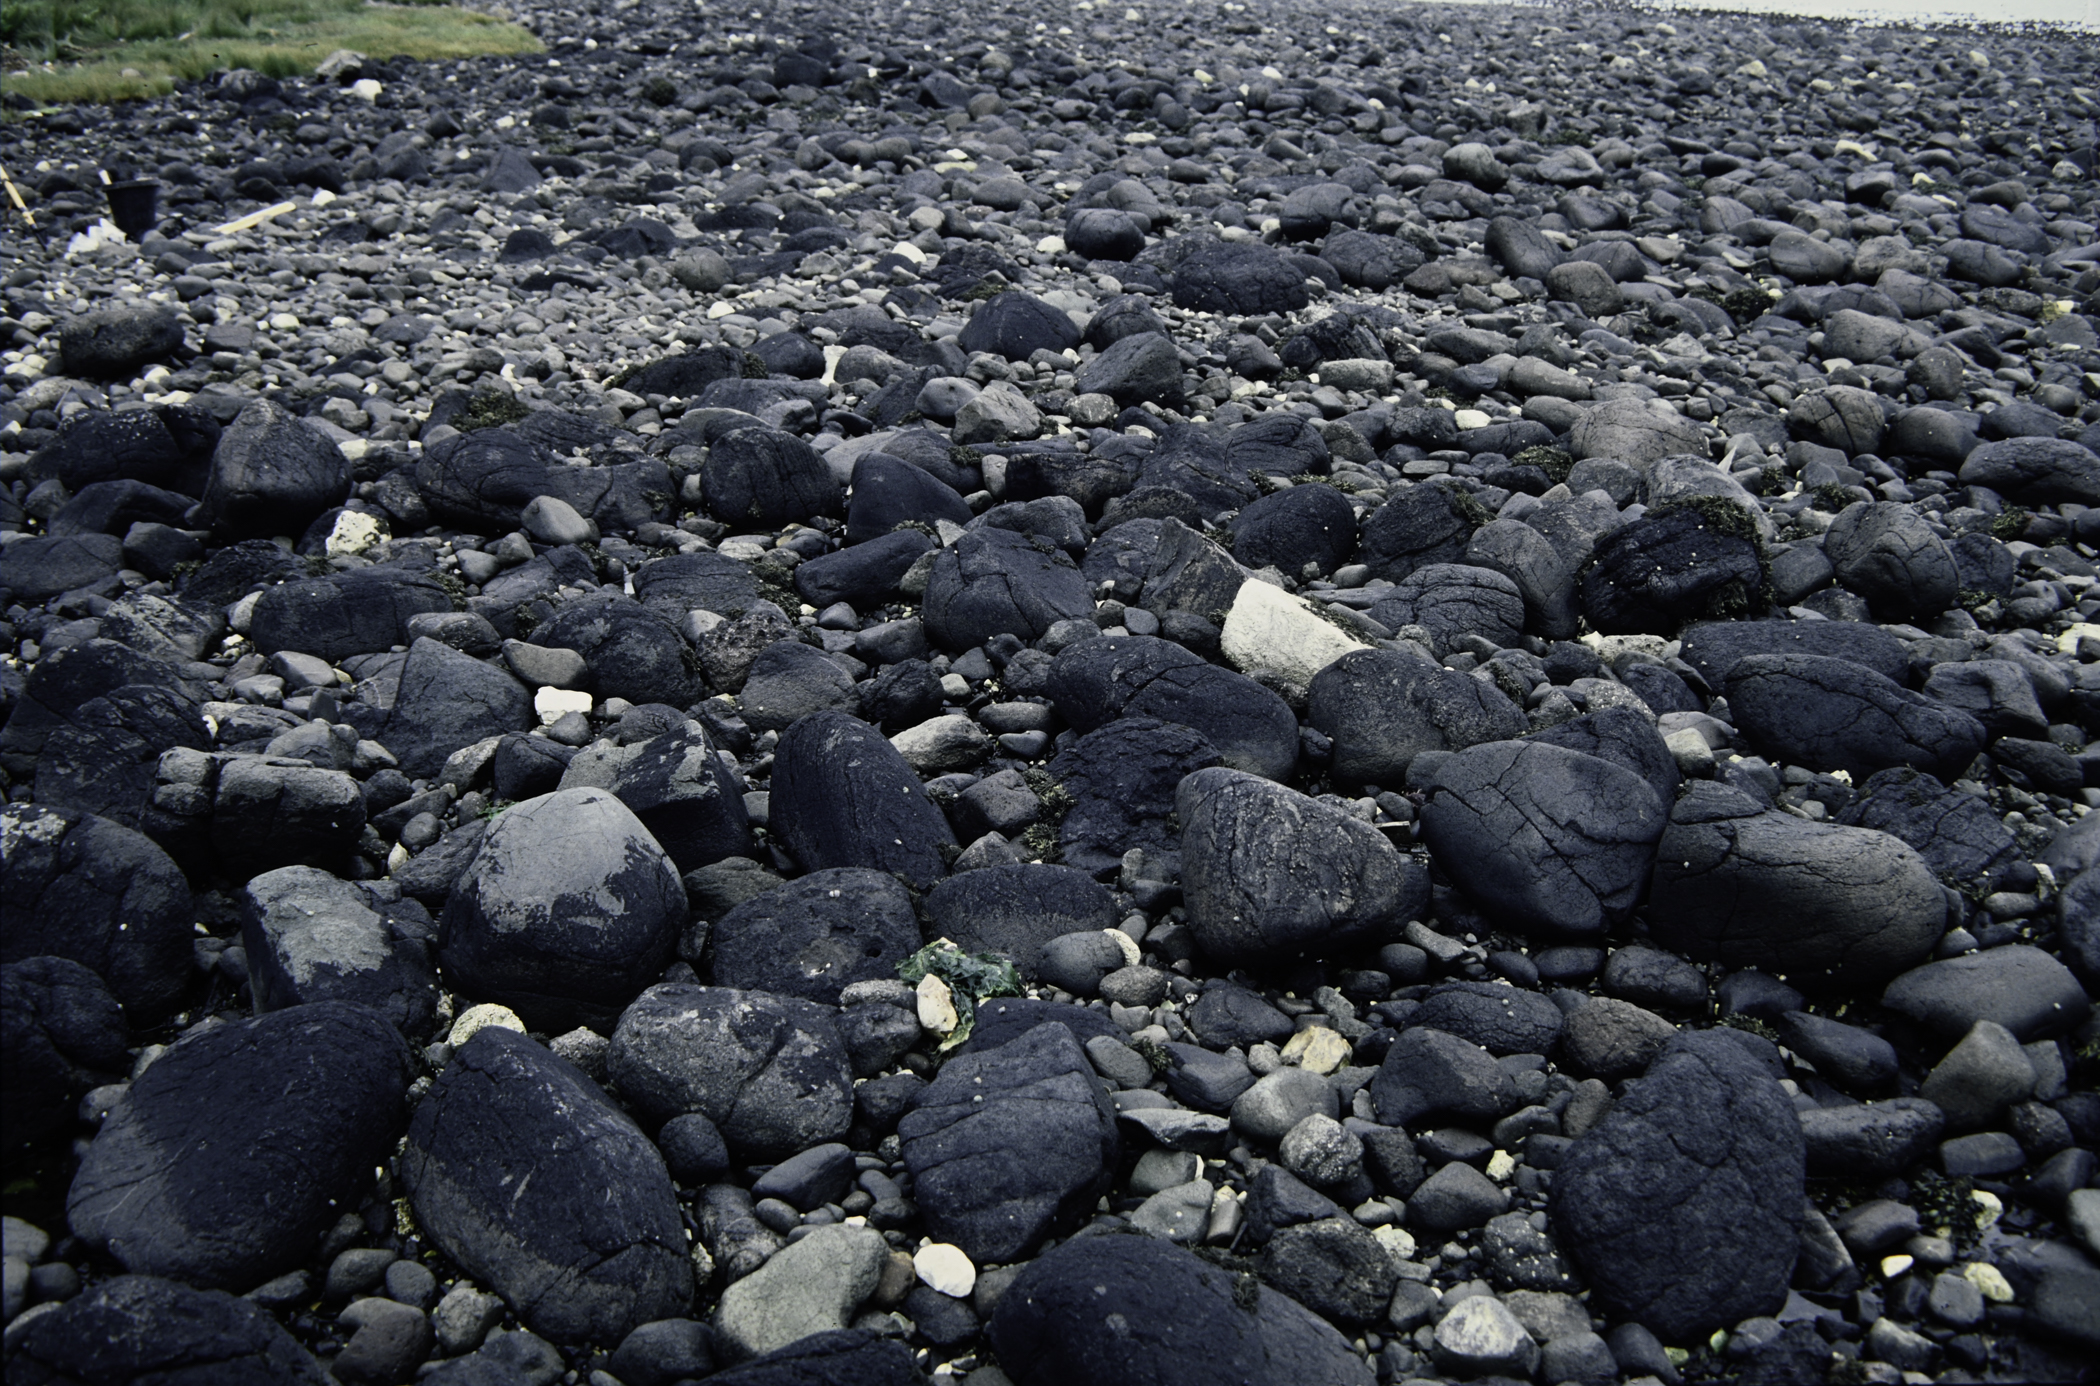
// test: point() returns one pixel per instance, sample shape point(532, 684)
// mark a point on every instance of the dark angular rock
point(790, 680)
point(695, 581)
point(1059, 519)
point(1015, 910)
point(61, 1033)
point(1626, 739)
point(1856, 1060)
point(113, 507)
point(446, 700)
point(1500, 1019)
point(843, 796)
point(996, 582)
point(1682, 1208)
point(270, 811)
point(1185, 572)
point(1457, 1196)
point(89, 890)
point(1161, 1315)
point(1238, 278)
point(1278, 444)
point(1015, 325)
point(1104, 233)
point(1832, 714)
point(1886, 553)
point(839, 1355)
point(1714, 647)
point(817, 935)
point(1957, 834)
point(310, 937)
point(1669, 567)
point(1520, 249)
point(103, 759)
point(1034, 1093)
point(1451, 600)
point(865, 575)
point(1332, 1266)
point(629, 651)
point(271, 474)
point(1252, 727)
point(566, 913)
point(888, 491)
point(1370, 261)
point(1757, 888)
point(481, 480)
point(2020, 987)
point(1998, 693)
point(46, 566)
point(1542, 575)
point(1093, 681)
point(764, 476)
point(1123, 779)
point(168, 447)
point(1548, 838)
point(1867, 1140)
point(1277, 1199)
point(1417, 527)
point(1133, 370)
point(693, 1149)
point(1381, 708)
point(902, 695)
point(361, 612)
point(1267, 870)
point(1613, 1040)
point(231, 1155)
point(528, 1177)
point(1003, 1019)
point(675, 783)
point(768, 1071)
point(1227, 1015)
point(1654, 978)
point(1429, 1073)
point(131, 1330)
point(112, 344)
point(2036, 471)
point(1844, 417)
point(1125, 315)
point(1296, 529)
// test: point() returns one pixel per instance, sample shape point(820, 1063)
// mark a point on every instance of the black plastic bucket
point(133, 205)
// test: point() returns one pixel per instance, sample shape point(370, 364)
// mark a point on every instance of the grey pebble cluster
point(1493, 609)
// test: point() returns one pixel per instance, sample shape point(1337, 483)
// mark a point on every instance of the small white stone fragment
point(354, 532)
point(483, 1017)
point(937, 1005)
point(553, 704)
point(1269, 628)
point(1399, 1243)
point(944, 1267)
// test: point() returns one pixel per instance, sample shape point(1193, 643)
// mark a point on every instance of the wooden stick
point(16, 195)
point(254, 219)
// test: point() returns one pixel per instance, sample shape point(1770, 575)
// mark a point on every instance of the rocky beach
point(1059, 695)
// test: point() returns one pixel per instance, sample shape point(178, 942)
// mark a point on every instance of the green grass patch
point(61, 51)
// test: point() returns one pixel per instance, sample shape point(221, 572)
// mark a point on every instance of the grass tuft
point(60, 51)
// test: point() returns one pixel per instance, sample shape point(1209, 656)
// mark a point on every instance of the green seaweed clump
point(971, 978)
point(489, 409)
